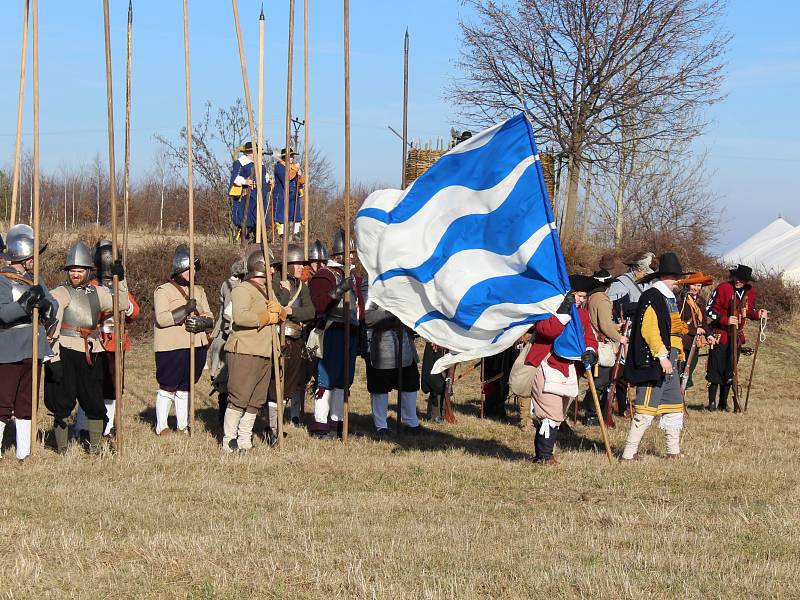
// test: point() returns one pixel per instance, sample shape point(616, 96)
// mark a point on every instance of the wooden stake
point(405, 109)
point(277, 358)
point(346, 255)
point(596, 400)
point(112, 185)
point(305, 132)
point(21, 97)
point(35, 201)
point(190, 184)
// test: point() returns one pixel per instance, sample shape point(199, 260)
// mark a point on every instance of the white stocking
point(337, 405)
point(182, 410)
point(164, 401)
point(408, 409)
point(23, 438)
point(111, 406)
point(380, 410)
point(322, 407)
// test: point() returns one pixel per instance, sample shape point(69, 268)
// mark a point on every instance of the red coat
point(108, 340)
point(546, 332)
point(718, 309)
point(323, 281)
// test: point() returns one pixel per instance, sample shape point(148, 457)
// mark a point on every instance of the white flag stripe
point(477, 140)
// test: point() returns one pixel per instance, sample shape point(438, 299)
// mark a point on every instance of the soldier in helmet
point(222, 330)
point(249, 353)
point(317, 256)
point(177, 316)
point(78, 369)
point(329, 287)
point(18, 297)
point(103, 260)
point(294, 295)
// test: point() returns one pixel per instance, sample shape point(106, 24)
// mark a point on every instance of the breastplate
point(83, 310)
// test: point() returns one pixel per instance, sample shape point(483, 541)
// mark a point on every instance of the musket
point(611, 401)
point(733, 341)
point(687, 371)
point(449, 416)
point(761, 335)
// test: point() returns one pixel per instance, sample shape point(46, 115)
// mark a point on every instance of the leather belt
point(85, 333)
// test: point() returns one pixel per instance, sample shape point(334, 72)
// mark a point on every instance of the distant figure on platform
point(243, 192)
point(296, 191)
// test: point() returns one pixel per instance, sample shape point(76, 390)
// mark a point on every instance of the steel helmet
point(20, 243)
point(180, 261)
point(78, 255)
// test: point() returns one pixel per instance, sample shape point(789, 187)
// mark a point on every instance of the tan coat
point(600, 311)
point(252, 319)
point(167, 335)
point(106, 298)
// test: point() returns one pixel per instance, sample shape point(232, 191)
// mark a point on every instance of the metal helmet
point(20, 243)
point(78, 255)
point(295, 254)
point(103, 258)
point(318, 252)
point(180, 261)
point(238, 268)
point(337, 247)
point(256, 266)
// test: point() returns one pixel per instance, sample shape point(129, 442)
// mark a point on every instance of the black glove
point(589, 358)
point(196, 324)
point(566, 304)
point(45, 309)
point(118, 270)
point(344, 286)
point(30, 298)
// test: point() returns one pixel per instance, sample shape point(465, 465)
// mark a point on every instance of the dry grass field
point(459, 513)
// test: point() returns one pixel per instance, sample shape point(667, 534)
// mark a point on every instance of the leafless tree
point(591, 68)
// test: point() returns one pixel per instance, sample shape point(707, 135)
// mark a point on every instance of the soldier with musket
point(328, 290)
point(294, 295)
point(177, 316)
point(18, 298)
point(103, 261)
point(78, 369)
point(555, 383)
point(656, 346)
point(732, 303)
point(249, 352)
point(694, 315)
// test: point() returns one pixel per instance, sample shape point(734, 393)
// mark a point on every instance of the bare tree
point(591, 67)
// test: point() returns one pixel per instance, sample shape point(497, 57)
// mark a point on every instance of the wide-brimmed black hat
point(291, 151)
point(585, 283)
point(742, 272)
point(668, 265)
point(247, 148)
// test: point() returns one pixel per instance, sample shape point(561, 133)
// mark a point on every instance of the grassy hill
point(460, 513)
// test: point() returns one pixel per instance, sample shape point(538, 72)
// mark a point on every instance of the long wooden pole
point(306, 141)
point(405, 109)
point(761, 334)
point(596, 400)
point(260, 154)
point(276, 348)
point(112, 185)
point(127, 173)
point(190, 184)
point(21, 97)
point(346, 255)
point(35, 201)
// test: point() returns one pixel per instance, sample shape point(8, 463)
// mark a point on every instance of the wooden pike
point(127, 173)
point(733, 342)
point(306, 141)
point(596, 400)
point(35, 201)
point(260, 199)
point(277, 358)
point(761, 334)
point(405, 109)
point(21, 97)
point(190, 184)
point(346, 255)
point(112, 184)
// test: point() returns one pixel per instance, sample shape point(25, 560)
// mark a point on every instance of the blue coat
point(295, 203)
point(243, 168)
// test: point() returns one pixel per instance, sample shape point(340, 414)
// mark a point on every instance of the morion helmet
point(318, 252)
point(295, 254)
point(21, 243)
point(180, 261)
point(103, 258)
point(78, 255)
point(337, 247)
point(256, 265)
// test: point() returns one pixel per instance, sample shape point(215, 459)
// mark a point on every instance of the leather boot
point(61, 433)
point(435, 408)
point(96, 427)
point(712, 397)
point(724, 390)
point(524, 413)
point(244, 439)
point(230, 426)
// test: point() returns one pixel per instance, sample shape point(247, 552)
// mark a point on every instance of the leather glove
point(179, 314)
point(118, 270)
point(344, 286)
point(589, 358)
point(566, 304)
point(197, 324)
point(30, 298)
point(191, 306)
point(45, 309)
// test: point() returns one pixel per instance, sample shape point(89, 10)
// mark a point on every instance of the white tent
point(774, 249)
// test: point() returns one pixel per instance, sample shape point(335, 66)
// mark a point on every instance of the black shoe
point(381, 433)
point(712, 407)
point(271, 438)
point(722, 407)
point(418, 430)
point(591, 421)
point(296, 421)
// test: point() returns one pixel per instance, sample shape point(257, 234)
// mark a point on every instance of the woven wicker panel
point(420, 160)
point(549, 169)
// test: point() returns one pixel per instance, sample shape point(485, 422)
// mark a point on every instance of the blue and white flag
point(469, 255)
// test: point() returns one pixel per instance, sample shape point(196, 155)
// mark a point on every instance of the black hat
point(668, 264)
point(247, 148)
point(291, 151)
point(742, 272)
point(585, 283)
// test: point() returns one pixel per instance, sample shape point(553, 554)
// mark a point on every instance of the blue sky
point(753, 142)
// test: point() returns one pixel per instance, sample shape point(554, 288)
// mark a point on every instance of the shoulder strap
point(260, 290)
point(180, 289)
point(17, 278)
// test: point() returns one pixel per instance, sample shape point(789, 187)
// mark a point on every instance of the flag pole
point(112, 184)
point(346, 255)
point(405, 109)
point(260, 199)
point(18, 147)
point(190, 184)
point(307, 137)
point(276, 348)
point(36, 244)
